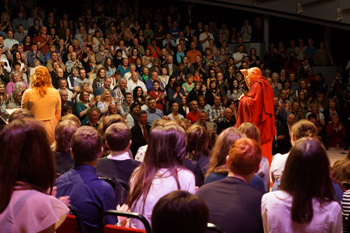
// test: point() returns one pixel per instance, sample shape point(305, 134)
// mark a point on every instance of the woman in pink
point(43, 101)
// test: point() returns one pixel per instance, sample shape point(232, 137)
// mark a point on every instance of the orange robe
point(257, 108)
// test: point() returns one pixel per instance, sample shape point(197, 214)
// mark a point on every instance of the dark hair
point(176, 207)
point(134, 92)
point(118, 136)
point(63, 135)
point(25, 156)
point(306, 176)
point(86, 144)
point(197, 142)
point(166, 149)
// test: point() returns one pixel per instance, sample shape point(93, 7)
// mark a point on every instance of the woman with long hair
point(306, 201)
point(161, 171)
point(27, 174)
point(217, 165)
point(43, 100)
point(302, 128)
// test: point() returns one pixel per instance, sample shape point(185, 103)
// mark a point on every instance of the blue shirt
point(89, 195)
point(152, 116)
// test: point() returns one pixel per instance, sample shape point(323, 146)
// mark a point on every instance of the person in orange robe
point(257, 107)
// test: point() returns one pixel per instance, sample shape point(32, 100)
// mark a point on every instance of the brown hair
point(166, 149)
point(305, 184)
point(25, 156)
point(63, 135)
point(118, 136)
point(86, 145)
point(19, 114)
point(221, 149)
point(108, 121)
point(40, 80)
point(304, 128)
point(250, 131)
point(197, 142)
point(70, 117)
point(244, 156)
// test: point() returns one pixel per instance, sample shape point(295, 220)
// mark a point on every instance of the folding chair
point(72, 223)
point(117, 229)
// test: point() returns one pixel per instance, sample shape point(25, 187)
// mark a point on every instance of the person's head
point(156, 85)
point(244, 157)
point(221, 149)
point(106, 95)
point(305, 184)
point(118, 137)
point(194, 106)
point(128, 98)
point(40, 79)
point(86, 145)
point(252, 75)
point(197, 141)
point(82, 73)
point(62, 83)
point(186, 208)
point(135, 109)
point(217, 100)
point(107, 82)
point(142, 117)
point(112, 109)
point(152, 103)
point(25, 157)
point(64, 95)
point(228, 114)
point(303, 128)
point(63, 135)
point(250, 131)
point(93, 115)
point(291, 119)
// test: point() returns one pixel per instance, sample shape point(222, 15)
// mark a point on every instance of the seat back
point(128, 215)
point(70, 225)
point(117, 229)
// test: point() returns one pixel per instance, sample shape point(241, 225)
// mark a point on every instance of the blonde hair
point(40, 80)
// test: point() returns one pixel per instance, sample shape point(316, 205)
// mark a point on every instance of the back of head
point(180, 211)
point(306, 176)
point(341, 170)
point(70, 117)
point(25, 157)
point(166, 146)
point(221, 148)
point(108, 121)
point(250, 130)
point(63, 135)
point(244, 157)
point(40, 79)
point(19, 114)
point(197, 141)
point(118, 136)
point(86, 145)
point(304, 128)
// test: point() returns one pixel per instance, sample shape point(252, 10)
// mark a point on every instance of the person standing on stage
point(257, 107)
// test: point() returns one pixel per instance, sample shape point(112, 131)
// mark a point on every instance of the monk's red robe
point(257, 108)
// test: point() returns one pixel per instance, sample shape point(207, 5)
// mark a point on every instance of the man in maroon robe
point(257, 107)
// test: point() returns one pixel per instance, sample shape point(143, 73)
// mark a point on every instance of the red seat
point(70, 225)
point(117, 229)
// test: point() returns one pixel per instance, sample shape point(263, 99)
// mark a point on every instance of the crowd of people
point(150, 104)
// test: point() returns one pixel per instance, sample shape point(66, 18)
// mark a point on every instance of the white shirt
point(131, 85)
point(276, 214)
point(238, 56)
point(203, 36)
point(121, 157)
point(278, 164)
point(162, 184)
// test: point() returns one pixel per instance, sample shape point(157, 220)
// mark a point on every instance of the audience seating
point(118, 229)
point(72, 224)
